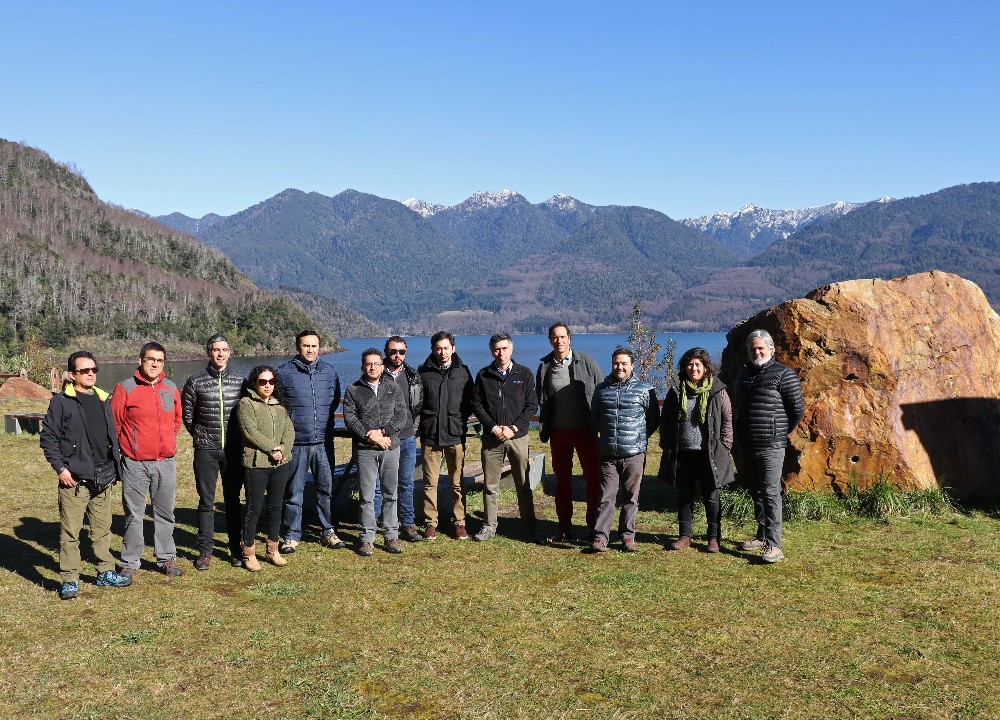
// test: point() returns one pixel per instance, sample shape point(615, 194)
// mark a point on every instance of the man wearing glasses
point(147, 412)
point(79, 442)
point(408, 380)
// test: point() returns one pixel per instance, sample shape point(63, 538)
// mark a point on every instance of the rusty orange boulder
point(901, 380)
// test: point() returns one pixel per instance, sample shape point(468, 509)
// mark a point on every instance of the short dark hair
point(306, 333)
point(442, 335)
point(622, 350)
point(500, 337)
point(555, 325)
point(394, 338)
point(367, 352)
point(696, 354)
point(71, 361)
point(152, 346)
point(218, 337)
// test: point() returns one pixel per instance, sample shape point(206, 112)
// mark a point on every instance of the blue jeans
point(407, 461)
point(307, 459)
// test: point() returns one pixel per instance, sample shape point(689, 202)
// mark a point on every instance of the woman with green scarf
point(696, 434)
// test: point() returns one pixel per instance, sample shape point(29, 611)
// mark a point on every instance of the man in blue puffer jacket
point(312, 389)
point(625, 413)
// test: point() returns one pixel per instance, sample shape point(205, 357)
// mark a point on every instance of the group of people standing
point(264, 434)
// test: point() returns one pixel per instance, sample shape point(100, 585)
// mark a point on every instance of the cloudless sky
point(688, 108)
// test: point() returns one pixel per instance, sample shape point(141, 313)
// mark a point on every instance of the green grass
point(892, 616)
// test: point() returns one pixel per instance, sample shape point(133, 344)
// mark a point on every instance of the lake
point(473, 349)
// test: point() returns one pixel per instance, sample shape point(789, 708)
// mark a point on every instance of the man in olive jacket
point(207, 401)
point(565, 383)
point(504, 401)
point(443, 418)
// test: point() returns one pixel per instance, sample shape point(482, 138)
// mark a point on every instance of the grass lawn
point(866, 619)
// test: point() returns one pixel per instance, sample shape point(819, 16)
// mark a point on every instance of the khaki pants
point(455, 457)
point(516, 450)
point(74, 504)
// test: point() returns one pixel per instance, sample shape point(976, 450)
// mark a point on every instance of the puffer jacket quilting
point(313, 394)
point(625, 413)
point(208, 400)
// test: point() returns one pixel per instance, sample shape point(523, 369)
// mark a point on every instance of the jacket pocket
point(167, 400)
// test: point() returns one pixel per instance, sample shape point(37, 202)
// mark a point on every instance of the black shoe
point(203, 561)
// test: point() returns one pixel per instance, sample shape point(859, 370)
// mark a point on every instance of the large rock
point(19, 388)
point(901, 380)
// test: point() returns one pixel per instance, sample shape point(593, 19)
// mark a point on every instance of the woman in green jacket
point(268, 436)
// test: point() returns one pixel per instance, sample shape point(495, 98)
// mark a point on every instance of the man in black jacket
point(768, 407)
point(208, 400)
point(504, 400)
point(447, 406)
point(79, 441)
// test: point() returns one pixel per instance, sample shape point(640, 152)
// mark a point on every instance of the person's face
point(151, 364)
point(395, 355)
point(759, 352)
point(621, 367)
point(695, 370)
point(502, 352)
point(443, 350)
point(265, 384)
point(218, 354)
point(371, 367)
point(85, 374)
point(559, 340)
point(309, 348)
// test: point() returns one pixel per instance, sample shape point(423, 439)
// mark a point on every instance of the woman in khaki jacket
point(268, 436)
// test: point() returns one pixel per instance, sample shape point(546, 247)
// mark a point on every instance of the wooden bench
point(18, 423)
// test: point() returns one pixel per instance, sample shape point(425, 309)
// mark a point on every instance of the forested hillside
point(74, 266)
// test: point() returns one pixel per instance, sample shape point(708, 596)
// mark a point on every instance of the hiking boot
point(485, 534)
point(394, 546)
point(713, 546)
point(560, 538)
point(772, 555)
point(598, 546)
point(411, 534)
point(366, 549)
point(170, 569)
point(330, 540)
point(109, 578)
point(430, 533)
point(629, 546)
point(681, 543)
point(753, 545)
point(461, 533)
point(288, 546)
point(128, 572)
point(69, 590)
point(204, 561)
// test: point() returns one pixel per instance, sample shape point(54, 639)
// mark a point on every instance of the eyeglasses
point(373, 365)
point(154, 361)
point(266, 381)
point(86, 371)
point(395, 351)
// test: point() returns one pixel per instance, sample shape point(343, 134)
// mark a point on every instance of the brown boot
point(273, 556)
point(250, 558)
point(681, 543)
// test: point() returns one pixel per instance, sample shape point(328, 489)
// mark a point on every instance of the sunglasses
point(266, 381)
point(86, 371)
point(396, 352)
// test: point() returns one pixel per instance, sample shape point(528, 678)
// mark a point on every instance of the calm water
point(473, 349)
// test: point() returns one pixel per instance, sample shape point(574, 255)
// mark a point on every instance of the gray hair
point(218, 337)
point(763, 335)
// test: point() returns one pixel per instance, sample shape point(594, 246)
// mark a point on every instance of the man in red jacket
point(147, 412)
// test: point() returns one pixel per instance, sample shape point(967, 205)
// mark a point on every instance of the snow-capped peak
point(483, 200)
point(562, 202)
point(423, 208)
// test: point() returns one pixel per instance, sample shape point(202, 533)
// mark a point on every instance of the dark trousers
point(694, 469)
point(209, 464)
point(626, 473)
point(763, 466)
point(261, 482)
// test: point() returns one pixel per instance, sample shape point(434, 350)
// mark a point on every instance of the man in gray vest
point(208, 400)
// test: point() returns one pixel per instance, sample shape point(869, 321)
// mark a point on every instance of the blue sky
point(688, 108)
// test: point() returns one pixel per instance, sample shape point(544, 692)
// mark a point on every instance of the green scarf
point(689, 388)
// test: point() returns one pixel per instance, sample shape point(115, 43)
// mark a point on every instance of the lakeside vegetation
point(885, 617)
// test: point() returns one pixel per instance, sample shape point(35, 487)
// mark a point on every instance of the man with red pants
point(565, 382)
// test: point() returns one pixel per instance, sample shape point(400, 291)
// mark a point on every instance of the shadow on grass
point(20, 553)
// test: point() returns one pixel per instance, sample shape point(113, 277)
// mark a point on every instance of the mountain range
point(498, 261)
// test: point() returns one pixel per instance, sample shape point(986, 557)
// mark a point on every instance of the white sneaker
point(288, 546)
point(772, 555)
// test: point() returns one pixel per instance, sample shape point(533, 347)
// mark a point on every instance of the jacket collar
point(143, 381)
point(70, 391)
